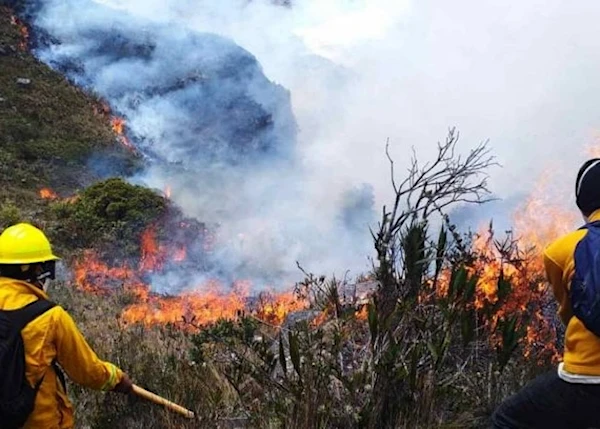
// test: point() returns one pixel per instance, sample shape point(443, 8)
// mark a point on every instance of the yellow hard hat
point(24, 244)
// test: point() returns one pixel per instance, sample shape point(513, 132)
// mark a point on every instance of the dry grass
point(156, 359)
point(231, 384)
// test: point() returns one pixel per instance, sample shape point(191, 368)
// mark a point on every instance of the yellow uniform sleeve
point(555, 276)
point(77, 358)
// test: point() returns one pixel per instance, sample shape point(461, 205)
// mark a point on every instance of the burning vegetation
point(443, 314)
point(48, 194)
point(500, 268)
point(118, 126)
point(23, 31)
point(204, 305)
point(444, 327)
point(117, 123)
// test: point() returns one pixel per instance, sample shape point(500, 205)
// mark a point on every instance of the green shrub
point(9, 214)
point(111, 215)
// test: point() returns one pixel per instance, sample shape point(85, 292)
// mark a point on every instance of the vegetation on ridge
point(52, 134)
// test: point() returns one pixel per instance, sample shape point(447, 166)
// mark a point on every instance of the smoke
point(291, 186)
point(520, 75)
point(360, 72)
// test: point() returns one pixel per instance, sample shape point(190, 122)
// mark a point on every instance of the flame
point(72, 199)
point(48, 194)
point(156, 255)
point(153, 255)
point(196, 309)
point(205, 304)
point(168, 192)
point(117, 123)
point(93, 275)
point(274, 307)
point(23, 30)
point(320, 319)
point(193, 309)
point(362, 313)
point(536, 224)
point(118, 126)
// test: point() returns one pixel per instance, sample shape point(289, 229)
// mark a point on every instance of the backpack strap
point(22, 316)
point(594, 224)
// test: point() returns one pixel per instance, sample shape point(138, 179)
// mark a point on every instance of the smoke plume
point(272, 119)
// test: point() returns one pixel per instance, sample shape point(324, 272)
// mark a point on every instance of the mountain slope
point(52, 134)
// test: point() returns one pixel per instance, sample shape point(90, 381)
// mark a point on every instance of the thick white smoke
point(360, 72)
point(521, 75)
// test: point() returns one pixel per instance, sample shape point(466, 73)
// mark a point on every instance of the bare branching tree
point(404, 257)
point(447, 180)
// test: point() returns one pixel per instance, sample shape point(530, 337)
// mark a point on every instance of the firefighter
point(566, 396)
point(27, 264)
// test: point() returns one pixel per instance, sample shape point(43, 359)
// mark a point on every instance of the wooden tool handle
point(143, 393)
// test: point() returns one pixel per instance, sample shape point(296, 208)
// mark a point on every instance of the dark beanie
point(587, 187)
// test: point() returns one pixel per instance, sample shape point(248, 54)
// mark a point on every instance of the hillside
point(52, 135)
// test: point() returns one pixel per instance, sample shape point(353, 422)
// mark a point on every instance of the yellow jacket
point(54, 335)
point(582, 347)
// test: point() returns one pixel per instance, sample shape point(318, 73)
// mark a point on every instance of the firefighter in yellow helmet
point(27, 264)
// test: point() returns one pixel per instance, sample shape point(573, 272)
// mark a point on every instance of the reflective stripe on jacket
point(54, 336)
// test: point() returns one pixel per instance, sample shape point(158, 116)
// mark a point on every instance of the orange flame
point(93, 275)
point(320, 319)
point(196, 309)
point(72, 199)
point(274, 307)
point(191, 310)
point(153, 255)
point(48, 194)
point(536, 224)
point(24, 32)
point(362, 313)
point(118, 126)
